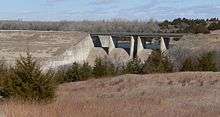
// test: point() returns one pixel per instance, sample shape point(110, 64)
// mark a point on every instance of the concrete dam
point(118, 47)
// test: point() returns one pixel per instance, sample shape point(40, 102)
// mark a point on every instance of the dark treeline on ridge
point(183, 25)
point(179, 25)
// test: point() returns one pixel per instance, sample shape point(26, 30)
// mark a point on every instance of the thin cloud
point(104, 1)
point(54, 1)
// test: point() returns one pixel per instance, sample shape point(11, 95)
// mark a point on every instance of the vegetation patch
point(26, 81)
point(204, 62)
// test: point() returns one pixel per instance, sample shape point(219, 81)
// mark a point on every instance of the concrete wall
point(140, 46)
point(77, 53)
point(119, 56)
point(132, 48)
point(163, 47)
point(142, 53)
point(96, 52)
point(104, 40)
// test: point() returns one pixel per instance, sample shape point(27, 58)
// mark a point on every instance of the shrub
point(157, 63)
point(165, 66)
point(3, 67)
point(85, 72)
point(177, 56)
point(134, 66)
point(103, 68)
point(26, 81)
point(3, 75)
point(60, 74)
point(206, 62)
point(189, 65)
point(75, 73)
point(72, 74)
point(199, 29)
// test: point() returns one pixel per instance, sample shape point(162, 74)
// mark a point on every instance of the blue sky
point(56, 10)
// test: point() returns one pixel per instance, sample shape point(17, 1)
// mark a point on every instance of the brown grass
point(176, 94)
point(43, 45)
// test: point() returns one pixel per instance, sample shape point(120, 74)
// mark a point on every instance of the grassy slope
point(175, 94)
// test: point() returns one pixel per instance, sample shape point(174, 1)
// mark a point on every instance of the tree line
point(179, 25)
point(86, 26)
point(184, 25)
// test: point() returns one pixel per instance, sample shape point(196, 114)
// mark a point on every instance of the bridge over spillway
point(134, 43)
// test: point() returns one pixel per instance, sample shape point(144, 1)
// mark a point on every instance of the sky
point(57, 10)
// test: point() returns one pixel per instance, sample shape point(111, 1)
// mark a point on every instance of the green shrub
point(134, 66)
point(165, 66)
point(60, 74)
point(85, 72)
point(75, 73)
point(26, 81)
point(3, 75)
point(72, 74)
point(3, 67)
point(103, 68)
point(206, 62)
point(157, 63)
point(189, 65)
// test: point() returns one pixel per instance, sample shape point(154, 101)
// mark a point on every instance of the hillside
point(175, 95)
point(42, 44)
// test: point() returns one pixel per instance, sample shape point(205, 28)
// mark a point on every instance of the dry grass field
point(159, 95)
point(42, 44)
point(215, 32)
point(208, 42)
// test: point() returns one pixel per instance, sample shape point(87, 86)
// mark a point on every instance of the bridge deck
point(139, 34)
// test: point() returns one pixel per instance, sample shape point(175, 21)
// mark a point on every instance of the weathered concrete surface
point(77, 53)
point(163, 47)
point(140, 46)
point(104, 40)
point(119, 56)
point(111, 44)
point(96, 52)
point(143, 53)
point(132, 48)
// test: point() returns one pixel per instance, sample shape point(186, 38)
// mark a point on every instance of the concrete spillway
point(117, 49)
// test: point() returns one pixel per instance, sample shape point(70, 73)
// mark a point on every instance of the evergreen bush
point(157, 63)
point(26, 81)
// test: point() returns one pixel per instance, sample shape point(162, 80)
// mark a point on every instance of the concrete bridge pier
point(140, 46)
point(163, 47)
point(112, 44)
point(143, 53)
point(132, 47)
